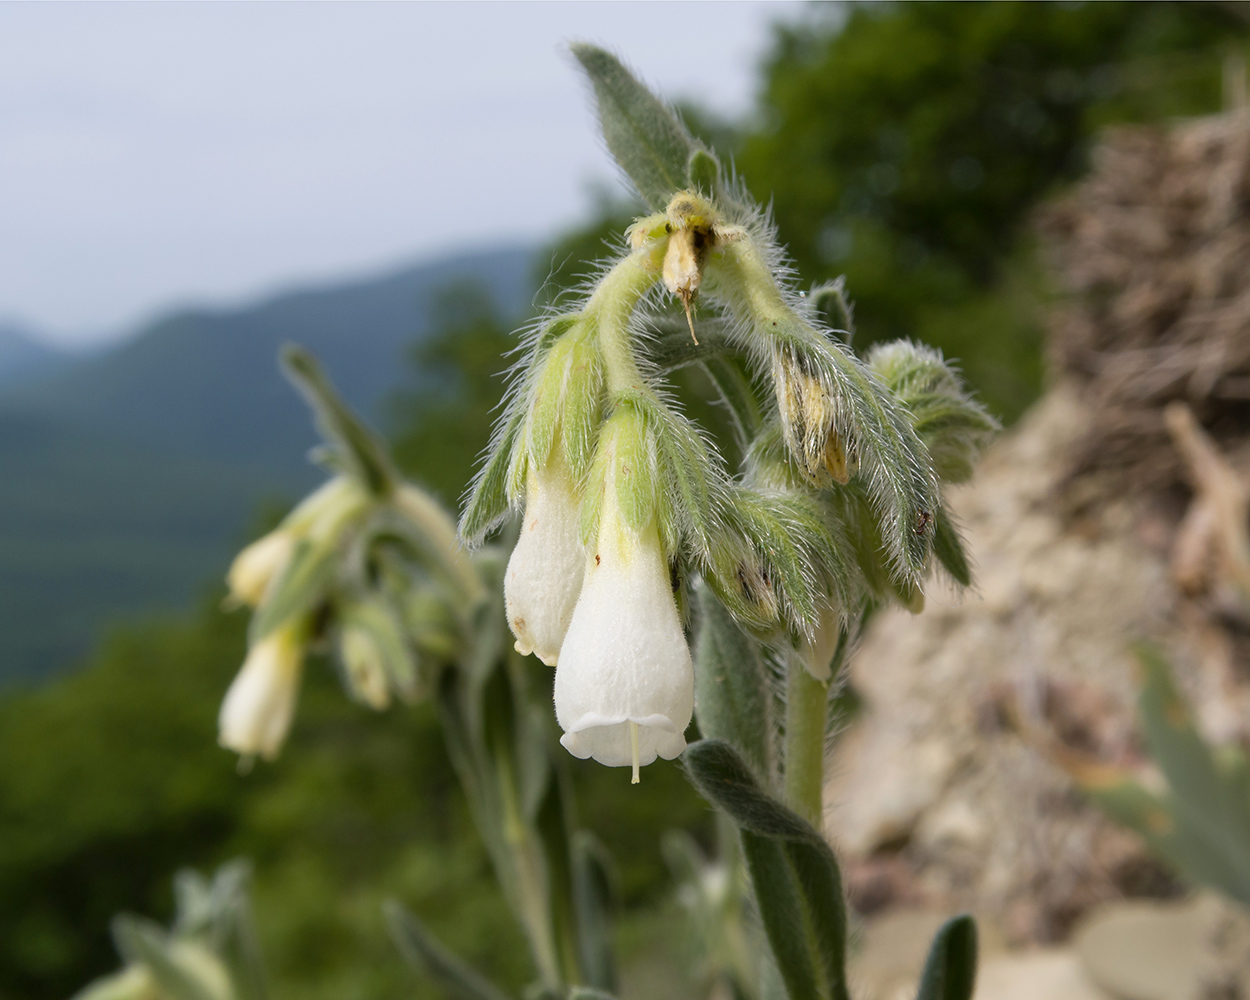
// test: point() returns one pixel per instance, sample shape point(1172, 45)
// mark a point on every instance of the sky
point(153, 155)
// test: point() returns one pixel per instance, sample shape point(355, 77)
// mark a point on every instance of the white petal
point(256, 566)
point(544, 575)
point(625, 659)
point(257, 711)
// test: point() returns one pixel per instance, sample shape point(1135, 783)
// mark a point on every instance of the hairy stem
point(611, 307)
point(807, 701)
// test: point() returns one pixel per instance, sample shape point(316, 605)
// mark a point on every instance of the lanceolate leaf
point(488, 502)
point(951, 968)
point(426, 954)
point(797, 882)
point(949, 548)
point(732, 694)
point(361, 453)
point(646, 139)
point(592, 897)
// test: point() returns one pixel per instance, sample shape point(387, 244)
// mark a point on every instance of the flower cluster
point(837, 504)
point(367, 566)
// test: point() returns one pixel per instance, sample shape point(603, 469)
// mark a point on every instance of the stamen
point(685, 301)
point(633, 746)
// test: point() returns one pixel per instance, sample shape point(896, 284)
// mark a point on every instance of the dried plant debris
point(1153, 250)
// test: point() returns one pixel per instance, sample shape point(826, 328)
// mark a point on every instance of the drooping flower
point(257, 565)
point(544, 574)
point(320, 513)
point(257, 710)
point(624, 688)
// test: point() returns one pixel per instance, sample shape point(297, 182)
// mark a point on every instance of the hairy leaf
point(645, 138)
point(356, 447)
point(421, 950)
point(950, 970)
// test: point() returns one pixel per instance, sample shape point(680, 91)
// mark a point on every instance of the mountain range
point(128, 477)
point(23, 356)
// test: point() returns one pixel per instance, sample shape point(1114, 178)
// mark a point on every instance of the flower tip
point(256, 567)
point(258, 708)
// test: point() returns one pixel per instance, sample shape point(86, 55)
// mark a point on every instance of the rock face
point(944, 790)
point(934, 793)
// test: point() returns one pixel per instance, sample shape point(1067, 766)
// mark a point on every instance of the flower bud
point(258, 565)
point(624, 687)
point(134, 982)
point(808, 414)
point(544, 575)
point(204, 968)
point(364, 666)
point(257, 711)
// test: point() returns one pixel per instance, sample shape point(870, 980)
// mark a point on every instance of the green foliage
point(111, 780)
point(645, 138)
point(1201, 824)
point(353, 447)
point(950, 970)
point(798, 886)
point(732, 697)
point(423, 951)
point(210, 953)
point(905, 144)
point(798, 889)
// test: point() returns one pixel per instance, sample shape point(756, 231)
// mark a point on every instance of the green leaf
point(299, 589)
point(780, 902)
point(949, 548)
point(426, 954)
point(1210, 806)
point(950, 971)
point(488, 499)
point(732, 695)
point(589, 993)
point(644, 137)
point(798, 885)
point(593, 902)
point(831, 309)
point(703, 172)
point(358, 449)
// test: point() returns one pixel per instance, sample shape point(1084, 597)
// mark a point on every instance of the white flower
point(257, 565)
point(544, 574)
point(625, 684)
point(317, 516)
point(257, 711)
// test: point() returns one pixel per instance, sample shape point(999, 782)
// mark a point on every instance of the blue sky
point(155, 154)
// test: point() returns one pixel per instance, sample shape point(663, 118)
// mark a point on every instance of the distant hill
point(23, 357)
point(206, 381)
point(128, 478)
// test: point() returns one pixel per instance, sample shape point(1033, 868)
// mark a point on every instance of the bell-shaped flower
point(624, 686)
point(257, 711)
point(544, 575)
point(257, 565)
point(319, 514)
